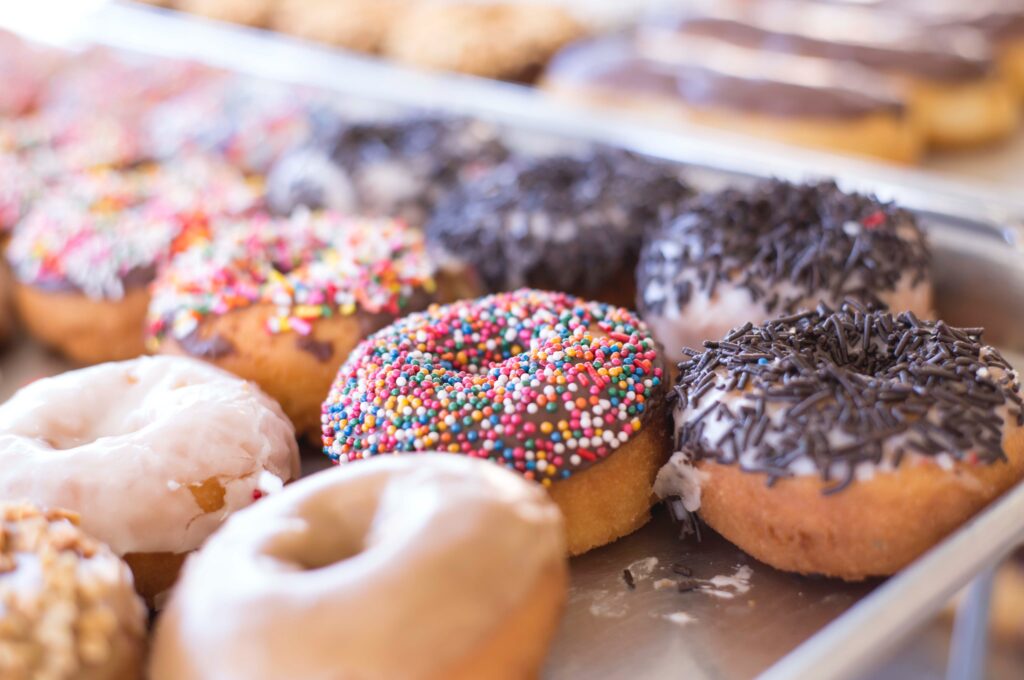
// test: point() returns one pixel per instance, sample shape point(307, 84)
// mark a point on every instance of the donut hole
point(319, 539)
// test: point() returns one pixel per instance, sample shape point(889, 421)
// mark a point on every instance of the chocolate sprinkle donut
point(398, 168)
point(789, 245)
point(840, 388)
point(569, 223)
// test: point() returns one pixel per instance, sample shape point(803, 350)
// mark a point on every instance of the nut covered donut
point(68, 610)
point(739, 256)
point(566, 392)
point(844, 443)
point(152, 454)
point(282, 302)
point(427, 568)
point(82, 257)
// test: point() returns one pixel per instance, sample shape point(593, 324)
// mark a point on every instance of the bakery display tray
point(742, 618)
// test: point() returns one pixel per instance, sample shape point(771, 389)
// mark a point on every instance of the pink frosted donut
point(152, 454)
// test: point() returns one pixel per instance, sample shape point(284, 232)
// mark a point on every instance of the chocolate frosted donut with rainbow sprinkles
point(282, 301)
point(844, 442)
point(750, 255)
point(566, 392)
point(83, 256)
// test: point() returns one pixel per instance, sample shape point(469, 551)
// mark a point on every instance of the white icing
point(391, 568)
point(679, 478)
point(711, 317)
point(120, 443)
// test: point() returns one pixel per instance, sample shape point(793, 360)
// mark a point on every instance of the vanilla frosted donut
point(432, 566)
point(153, 454)
point(747, 256)
point(68, 610)
point(844, 443)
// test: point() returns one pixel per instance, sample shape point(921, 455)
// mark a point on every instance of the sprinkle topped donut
point(309, 267)
point(845, 442)
point(283, 301)
point(859, 389)
point(104, 231)
point(571, 223)
point(476, 377)
point(738, 256)
point(543, 383)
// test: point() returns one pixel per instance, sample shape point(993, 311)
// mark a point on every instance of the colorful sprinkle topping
point(104, 230)
point(309, 266)
point(544, 383)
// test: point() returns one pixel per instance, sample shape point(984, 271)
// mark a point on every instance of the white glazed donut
point(427, 566)
point(152, 454)
point(749, 256)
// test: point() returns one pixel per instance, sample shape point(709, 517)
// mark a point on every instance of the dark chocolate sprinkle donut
point(827, 390)
point(397, 169)
point(569, 223)
point(789, 245)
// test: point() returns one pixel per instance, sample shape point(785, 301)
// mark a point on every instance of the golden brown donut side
point(613, 499)
point(871, 528)
point(86, 330)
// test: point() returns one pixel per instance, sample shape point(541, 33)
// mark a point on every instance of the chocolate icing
point(916, 54)
point(210, 348)
point(616, 63)
point(137, 277)
point(558, 223)
point(321, 350)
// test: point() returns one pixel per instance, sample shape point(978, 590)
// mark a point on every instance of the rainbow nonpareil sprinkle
point(544, 383)
point(307, 267)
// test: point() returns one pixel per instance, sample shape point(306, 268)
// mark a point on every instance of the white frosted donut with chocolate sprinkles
point(738, 256)
point(847, 442)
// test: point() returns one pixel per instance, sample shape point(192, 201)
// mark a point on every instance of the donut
point(151, 453)
point(24, 68)
point(844, 442)
point(248, 122)
point(397, 568)
point(282, 301)
point(569, 223)
point(566, 392)
point(360, 25)
point(67, 605)
point(112, 82)
point(737, 256)
point(398, 168)
point(950, 77)
point(508, 41)
point(248, 12)
point(83, 256)
point(791, 99)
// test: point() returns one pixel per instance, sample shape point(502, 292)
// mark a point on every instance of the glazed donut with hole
point(68, 608)
point(152, 454)
point(429, 567)
point(566, 392)
point(737, 256)
point(844, 443)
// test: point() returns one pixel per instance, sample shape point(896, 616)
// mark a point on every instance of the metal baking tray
point(749, 619)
